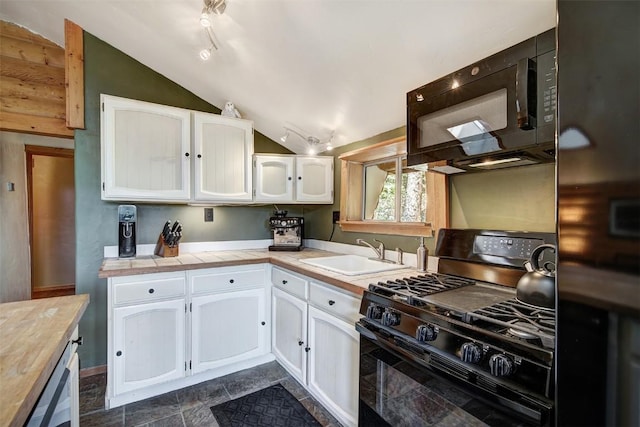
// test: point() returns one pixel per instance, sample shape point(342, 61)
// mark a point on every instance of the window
point(381, 194)
point(385, 196)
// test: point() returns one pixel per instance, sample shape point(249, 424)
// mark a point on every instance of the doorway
point(51, 210)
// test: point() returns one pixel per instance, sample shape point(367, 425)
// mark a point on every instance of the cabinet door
point(223, 149)
point(149, 344)
point(333, 364)
point(228, 328)
point(289, 336)
point(274, 178)
point(314, 179)
point(145, 151)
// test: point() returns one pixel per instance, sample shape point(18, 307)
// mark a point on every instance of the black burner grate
point(419, 286)
point(517, 316)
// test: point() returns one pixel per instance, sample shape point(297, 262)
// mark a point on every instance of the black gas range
point(464, 325)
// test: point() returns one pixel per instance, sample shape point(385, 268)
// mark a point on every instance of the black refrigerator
point(598, 196)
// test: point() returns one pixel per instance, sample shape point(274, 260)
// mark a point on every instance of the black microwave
point(496, 113)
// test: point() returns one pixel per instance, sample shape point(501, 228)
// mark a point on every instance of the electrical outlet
point(336, 216)
point(208, 214)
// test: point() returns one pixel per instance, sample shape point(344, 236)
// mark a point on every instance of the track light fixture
point(210, 6)
point(315, 145)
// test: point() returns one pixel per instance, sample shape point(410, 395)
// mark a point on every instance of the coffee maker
point(127, 218)
point(287, 232)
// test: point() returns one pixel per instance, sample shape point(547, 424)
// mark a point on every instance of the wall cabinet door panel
point(145, 151)
point(223, 149)
point(274, 178)
point(314, 179)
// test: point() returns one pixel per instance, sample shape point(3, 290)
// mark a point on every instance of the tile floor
point(190, 406)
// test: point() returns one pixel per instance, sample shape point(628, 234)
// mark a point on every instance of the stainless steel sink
point(352, 265)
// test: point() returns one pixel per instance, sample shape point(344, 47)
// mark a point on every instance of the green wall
point(109, 71)
point(508, 199)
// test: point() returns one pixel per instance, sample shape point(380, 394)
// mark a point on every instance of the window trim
point(351, 194)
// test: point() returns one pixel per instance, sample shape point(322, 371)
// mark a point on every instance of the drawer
point(289, 283)
point(334, 302)
point(225, 279)
point(148, 287)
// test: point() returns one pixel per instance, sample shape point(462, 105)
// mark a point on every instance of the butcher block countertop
point(112, 267)
point(33, 335)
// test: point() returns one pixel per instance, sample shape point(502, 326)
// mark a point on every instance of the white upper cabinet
point(293, 179)
point(223, 148)
point(274, 178)
point(156, 153)
point(314, 179)
point(145, 151)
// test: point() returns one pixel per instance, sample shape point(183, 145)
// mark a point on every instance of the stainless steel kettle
point(538, 285)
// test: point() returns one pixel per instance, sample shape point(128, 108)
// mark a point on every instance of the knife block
point(164, 250)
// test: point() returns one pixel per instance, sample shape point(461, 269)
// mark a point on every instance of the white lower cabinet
point(227, 328)
point(149, 344)
point(334, 348)
point(289, 335)
point(170, 330)
point(315, 339)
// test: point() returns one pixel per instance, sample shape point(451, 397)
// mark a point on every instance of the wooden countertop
point(112, 267)
point(33, 335)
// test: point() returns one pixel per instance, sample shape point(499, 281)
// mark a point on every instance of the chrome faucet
point(379, 251)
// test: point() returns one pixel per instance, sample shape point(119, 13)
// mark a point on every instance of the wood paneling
point(74, 75)
point(32, 83)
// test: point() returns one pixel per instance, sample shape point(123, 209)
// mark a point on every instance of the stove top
point(486, 306)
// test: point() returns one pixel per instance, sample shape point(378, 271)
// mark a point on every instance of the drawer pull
point(284, 282)
point(118, 353)
point(79, 341)
point(230, 280)
point(263, 323)
point(331, 302)
point(300, 342)
point(151, 290)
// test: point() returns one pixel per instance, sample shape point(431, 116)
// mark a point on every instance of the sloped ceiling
point(313, 65)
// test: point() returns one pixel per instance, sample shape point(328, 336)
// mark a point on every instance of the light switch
point(11, 186)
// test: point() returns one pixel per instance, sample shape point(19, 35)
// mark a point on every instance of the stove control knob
point(374, 311)
point(470, 352)
point(501, 365)
point(426, 333)
point(390, 318)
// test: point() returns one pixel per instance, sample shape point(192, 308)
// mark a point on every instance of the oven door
point(483, 117)
point(397, 390)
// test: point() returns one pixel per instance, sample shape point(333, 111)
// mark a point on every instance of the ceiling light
point(205, 54)
point(284, 137)
point(205, 20)
point(315, 145)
